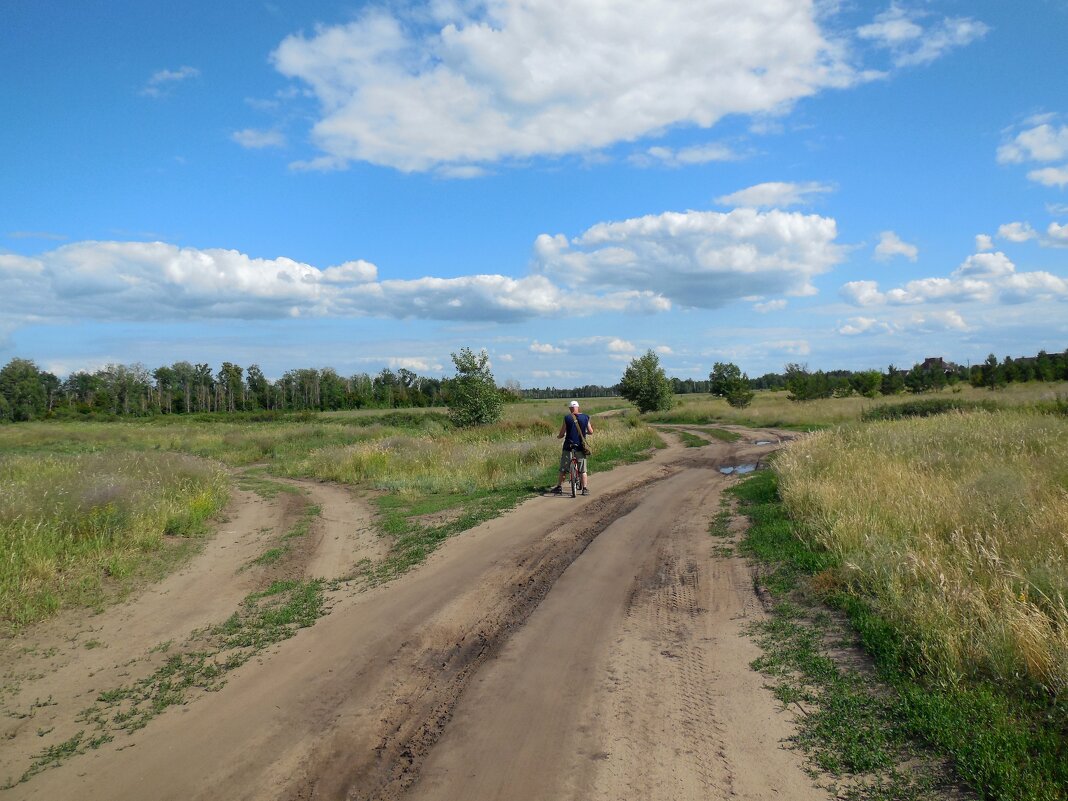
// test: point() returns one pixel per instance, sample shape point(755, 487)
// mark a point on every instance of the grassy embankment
point(943, 539)
point(87, 505)
point(774, 409)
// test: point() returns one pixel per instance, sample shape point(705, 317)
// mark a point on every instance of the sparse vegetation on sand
point(69, 520)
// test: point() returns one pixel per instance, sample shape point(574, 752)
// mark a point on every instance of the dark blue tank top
point(571, 438)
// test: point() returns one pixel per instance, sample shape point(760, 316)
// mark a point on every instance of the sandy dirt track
point(584, 648)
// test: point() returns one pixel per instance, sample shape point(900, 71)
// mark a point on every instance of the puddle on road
point(763, 442)
point(738, 470)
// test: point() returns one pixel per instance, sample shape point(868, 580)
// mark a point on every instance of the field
point(775, 409)
point(947, 531)
point(88, 506)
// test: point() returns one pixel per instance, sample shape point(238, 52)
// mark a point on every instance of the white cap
point(573, 405)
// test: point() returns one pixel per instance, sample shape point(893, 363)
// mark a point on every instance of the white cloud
point(982, 277)
point(683, 157)
point(545, 348)
point(1058, 235)
point(617, 345)
point(773, 194)
point(416, 364)
point(901, 31)
point(1043, 142)
point(855, 326)
point(862, 293)
point(462, 171)
point(255, 139)
point(699, 259)
point(890, 245)
point(1057, 209)
point(770, 306)
point(935, 321)
point(472, 83)
point(163, 78)
point(664, 350)
point(155, 280)
point(983, 242)
point(1017, 231)
point(1050, 176)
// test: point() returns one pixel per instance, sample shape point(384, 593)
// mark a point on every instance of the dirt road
point(584, 648)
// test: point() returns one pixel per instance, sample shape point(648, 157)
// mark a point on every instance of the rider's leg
point(584, 479)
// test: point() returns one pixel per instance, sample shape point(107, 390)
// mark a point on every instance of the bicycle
point(576, 475)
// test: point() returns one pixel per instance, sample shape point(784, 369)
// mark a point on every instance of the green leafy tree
point(738, 393)
point(723, 377)
point(867, 383)
point(646, 385)
point(23, 390)
point(474, 399)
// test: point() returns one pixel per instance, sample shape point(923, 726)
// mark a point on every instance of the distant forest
point(28, 393)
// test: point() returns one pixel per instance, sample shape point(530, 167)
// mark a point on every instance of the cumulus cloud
point(256, 139)
point(773, 194)
point(1017, 231)
point(910, 42)
point(699, 259)
point(855, 326)
point(1058, 235)
point(545, 348)
point(890, 245)
point(937, 321)
point(982, 277)
point(155, 280)
point(157, 84)
point(983, 242)
point(1050, 176)
point(476, 82)
point(1043, 142)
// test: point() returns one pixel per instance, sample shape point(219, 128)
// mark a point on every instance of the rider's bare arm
point(563, 430)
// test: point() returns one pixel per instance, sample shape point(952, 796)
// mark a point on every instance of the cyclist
point(569, 433)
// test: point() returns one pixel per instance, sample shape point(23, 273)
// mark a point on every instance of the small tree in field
point(738, 393)
point(474, 399)
point(645, 384)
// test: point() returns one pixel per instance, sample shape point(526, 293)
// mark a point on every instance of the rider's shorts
point(565, 461)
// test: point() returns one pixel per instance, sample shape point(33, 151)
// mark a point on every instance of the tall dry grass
point(957, 527)
point(516, 451)
point(68, 520)
point(776, 409)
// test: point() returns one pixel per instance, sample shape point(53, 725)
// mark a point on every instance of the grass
point(954, 527)
point(774, 409)
point(691, 440)
point(1003, 743)
point(86, 504)
point(74, 527)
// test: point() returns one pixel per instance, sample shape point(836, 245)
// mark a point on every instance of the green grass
point(691, 440)
point(1004, 746)
point(77, 529)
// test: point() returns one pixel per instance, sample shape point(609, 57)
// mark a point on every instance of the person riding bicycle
point(569, 433)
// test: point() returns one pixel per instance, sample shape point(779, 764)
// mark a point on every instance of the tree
point(738, 393)
point(723, 377)
point(867, 383)
point(473, 396)
point(21, 387)
point(645, 384)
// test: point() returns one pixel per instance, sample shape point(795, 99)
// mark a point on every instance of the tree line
point(28, 393)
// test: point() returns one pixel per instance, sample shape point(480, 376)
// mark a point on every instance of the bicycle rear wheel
point(575, 480)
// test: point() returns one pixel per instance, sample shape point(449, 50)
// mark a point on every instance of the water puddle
point(738, 470)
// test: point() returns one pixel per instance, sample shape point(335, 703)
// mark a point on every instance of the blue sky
point(565, 184)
